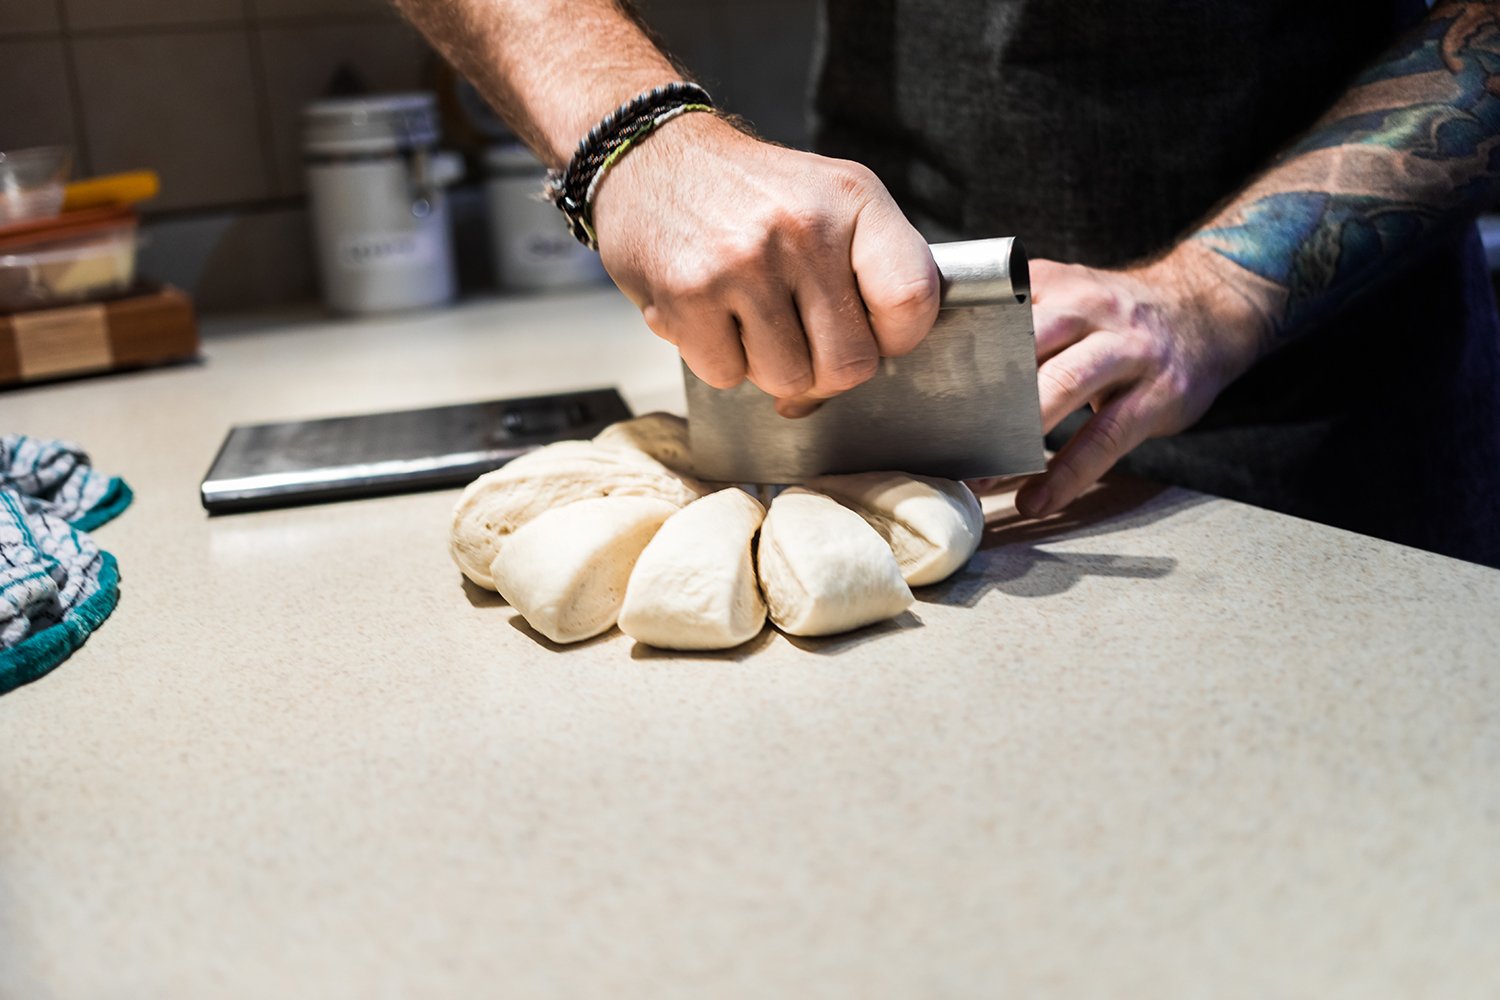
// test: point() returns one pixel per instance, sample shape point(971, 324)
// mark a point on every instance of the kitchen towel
point(56, 584)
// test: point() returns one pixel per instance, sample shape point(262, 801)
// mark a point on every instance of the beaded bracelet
point(572, 190)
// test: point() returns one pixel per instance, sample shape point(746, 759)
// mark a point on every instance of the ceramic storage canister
point(533, 249)
point(380, 213)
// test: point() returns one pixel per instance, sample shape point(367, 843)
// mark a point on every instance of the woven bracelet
point(572, 190)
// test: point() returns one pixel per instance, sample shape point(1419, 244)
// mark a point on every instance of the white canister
point(532, 247)
point(380, 216)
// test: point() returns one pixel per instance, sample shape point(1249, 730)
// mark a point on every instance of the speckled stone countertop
point(1166, 746)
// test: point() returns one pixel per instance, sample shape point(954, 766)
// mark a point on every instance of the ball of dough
point(566, 570)
point(566, 451)
point(694, 586)
point(823, 570)
point(663, 436)
point(497, 503)
point(932, 525)
point(557, 451)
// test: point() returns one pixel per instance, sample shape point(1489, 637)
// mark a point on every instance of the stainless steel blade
point(962, 405)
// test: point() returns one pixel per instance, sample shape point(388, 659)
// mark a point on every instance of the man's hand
point(795, 271)
point(1148, 349)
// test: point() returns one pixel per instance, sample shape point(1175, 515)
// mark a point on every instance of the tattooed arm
point(1405, 153)
point(1411, 150)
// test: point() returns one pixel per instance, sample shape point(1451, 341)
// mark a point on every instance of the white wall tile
point(89, 15)
point(35, 94)
point(298, 63)
point(182, 104)
point(19, 17)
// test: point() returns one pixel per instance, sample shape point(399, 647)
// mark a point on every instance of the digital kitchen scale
point(342, 458)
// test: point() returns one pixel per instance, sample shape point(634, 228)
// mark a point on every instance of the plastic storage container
point(81, 255)
point(32, 182)
point(379, 209)
point(531, 245)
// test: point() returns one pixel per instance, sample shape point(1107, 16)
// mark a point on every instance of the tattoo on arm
point(1409, 149)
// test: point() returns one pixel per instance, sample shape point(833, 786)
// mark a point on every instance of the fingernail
point(795, 410)
point(1033, 502)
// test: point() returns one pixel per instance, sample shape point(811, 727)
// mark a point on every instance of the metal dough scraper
point(963, 405)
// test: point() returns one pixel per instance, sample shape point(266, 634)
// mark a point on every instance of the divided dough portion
point(566, 570)
point(694, 587)
point(823, 570)
point(932, 525)
point(496, 504)
point(663, 436)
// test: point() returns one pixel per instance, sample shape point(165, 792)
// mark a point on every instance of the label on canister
point(398, 249)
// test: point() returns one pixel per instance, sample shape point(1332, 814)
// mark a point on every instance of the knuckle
point(1064, 472)
point(783, 384)
point(720, 375)
point(656, 319)
point(796, 227)
point(1109, 436)
point(845, 375)
point(851, 178)
point(1061, 381)
point(1052, 324)
point(1178, 382)
point(1158, 356)
point(1096, 299)
point(908, 295)
point(781, 379)
point(1061, 279)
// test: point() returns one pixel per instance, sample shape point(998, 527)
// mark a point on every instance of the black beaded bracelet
point(572, 189)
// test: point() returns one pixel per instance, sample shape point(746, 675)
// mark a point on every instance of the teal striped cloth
point(56, 584)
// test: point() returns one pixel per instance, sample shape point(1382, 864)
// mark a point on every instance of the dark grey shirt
point(1099, 131)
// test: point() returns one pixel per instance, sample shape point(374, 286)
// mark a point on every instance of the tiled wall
point(207, 93)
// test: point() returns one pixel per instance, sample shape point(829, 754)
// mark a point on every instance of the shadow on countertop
point(1010, 561)
point(824, 645)
point(479, 597)
point(736, 654)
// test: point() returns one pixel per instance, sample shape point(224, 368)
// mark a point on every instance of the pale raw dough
point(558, 451)
point(497, 503)
point(663, 436)
point(932, 525)
point(566, 570)
point(823, 569)
point(694, 587)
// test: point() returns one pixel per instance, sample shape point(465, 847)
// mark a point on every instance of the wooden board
point(154, 327)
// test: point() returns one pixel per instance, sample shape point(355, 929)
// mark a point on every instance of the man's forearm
point(1410, 149)
point(552, 68)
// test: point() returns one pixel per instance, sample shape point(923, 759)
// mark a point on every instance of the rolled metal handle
point(983, 272)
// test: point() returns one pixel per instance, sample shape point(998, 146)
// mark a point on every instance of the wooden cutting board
point(153, 327)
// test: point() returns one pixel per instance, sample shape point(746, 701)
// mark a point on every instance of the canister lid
point(376, 123)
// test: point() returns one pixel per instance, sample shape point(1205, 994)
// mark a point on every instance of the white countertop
point(1166, 746)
